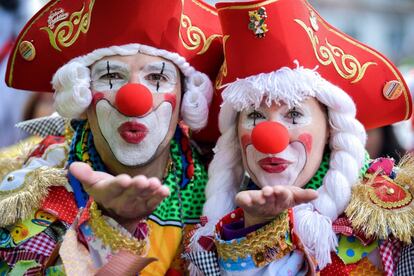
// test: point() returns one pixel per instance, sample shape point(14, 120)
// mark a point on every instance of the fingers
point(143, 187)
point(303, 195)
point(278, 196)
point(84, 173)
point(123, 194)
point(250, 198)
point(142, 191)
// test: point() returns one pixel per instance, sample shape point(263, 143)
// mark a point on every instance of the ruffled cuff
point(237, 230)
point(111, 235)
point(257, 248)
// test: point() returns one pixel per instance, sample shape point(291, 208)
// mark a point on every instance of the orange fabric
point(366, 268)
point(165, 242)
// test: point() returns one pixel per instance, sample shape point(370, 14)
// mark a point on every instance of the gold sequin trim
point(263, 244)
point(112, 237)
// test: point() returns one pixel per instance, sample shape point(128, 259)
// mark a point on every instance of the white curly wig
point(313, 221)
point(72, 84)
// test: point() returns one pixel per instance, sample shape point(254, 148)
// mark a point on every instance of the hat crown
point(264, 36)
point(66, 29)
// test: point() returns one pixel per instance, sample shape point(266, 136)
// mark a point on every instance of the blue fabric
point(81, 197)
point(178, 136)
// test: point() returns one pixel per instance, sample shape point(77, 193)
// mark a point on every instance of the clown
point(291, 155)
point(134, 183)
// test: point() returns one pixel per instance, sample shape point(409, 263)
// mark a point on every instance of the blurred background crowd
point(386, 25)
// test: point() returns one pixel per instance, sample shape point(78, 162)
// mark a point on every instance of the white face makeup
point(295, 165)
point(134, 141)
point(154, 125)
point(157, 76)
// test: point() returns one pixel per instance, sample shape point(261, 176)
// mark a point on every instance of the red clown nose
point(270, 137)
point(133, 100)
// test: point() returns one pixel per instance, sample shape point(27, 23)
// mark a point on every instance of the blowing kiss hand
point(126, 199)
point(264, 205)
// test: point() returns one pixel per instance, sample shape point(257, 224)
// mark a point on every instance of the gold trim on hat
point(206, 7)
point(327, 55)
point(13, 57)
point(252, 6)
point(373, 52)
point(63, 33)
point(195, 36)
point(223, 69)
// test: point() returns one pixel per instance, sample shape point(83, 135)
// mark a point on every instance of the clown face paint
point(297, 163)
point(134, 141)
point(120, 132)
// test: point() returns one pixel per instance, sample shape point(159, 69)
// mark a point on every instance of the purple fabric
point(237, 230)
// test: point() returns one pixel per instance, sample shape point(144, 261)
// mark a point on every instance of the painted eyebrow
point(101, 66)
point(158, 66)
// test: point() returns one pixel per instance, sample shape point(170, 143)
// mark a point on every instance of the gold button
point(27, 50)
point(392, 90)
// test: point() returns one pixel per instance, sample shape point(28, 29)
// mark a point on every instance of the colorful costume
point(49, 223)
point(281, 55)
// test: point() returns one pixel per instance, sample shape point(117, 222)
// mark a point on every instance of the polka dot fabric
point(316, 180)
point(60, 203)
point(351, 250)
point(190, 186)
point(337, 267)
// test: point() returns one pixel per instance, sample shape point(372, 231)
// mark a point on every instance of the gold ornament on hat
point(314, 21)
point(349, 68)
point(67, 32)
point(195, 37)
point(223, 69)
point(257, 22)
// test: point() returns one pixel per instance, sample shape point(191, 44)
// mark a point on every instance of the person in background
point(383, 142)
point(36, 108)
point(11, 103)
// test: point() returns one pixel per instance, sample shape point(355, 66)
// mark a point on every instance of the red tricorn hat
point(264, 36)
point(66, 29)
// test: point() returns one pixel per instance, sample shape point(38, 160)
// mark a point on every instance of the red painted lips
point(273, 164)
point(133, 132)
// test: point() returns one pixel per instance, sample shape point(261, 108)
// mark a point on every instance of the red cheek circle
point(306, 139)
point(246, 140)
point(171, 98)
point(97, 97)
